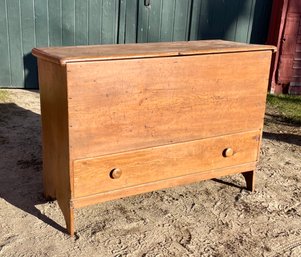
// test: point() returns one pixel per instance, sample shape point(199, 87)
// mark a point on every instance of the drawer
point(121, 170)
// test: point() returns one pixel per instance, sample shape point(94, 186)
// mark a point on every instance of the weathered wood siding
point(25, 24)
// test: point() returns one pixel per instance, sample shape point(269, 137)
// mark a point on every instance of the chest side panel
point(122, 105)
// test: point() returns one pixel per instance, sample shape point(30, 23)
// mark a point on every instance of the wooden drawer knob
point(115, 173)
point(228, 152)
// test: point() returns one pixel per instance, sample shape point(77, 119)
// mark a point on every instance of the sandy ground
point(210, 218)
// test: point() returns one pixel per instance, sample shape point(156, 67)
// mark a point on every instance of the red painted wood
point(295, 6)
point(285, 33)
point(288, 48)
point(277, 22)
point(294, 12)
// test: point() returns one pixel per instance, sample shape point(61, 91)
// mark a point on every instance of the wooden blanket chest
point(119, 120)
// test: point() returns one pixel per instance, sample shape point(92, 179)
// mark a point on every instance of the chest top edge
point(71, 54)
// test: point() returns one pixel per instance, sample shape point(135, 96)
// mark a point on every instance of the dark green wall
point(25, 24)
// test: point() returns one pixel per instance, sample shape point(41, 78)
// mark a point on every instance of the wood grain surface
point(117, 122)
point(69, 54)
point(132, 104)
point(57, 176)
point(157, 185)
point(92, 176)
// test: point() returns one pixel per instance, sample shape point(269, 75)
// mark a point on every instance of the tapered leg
point(69, 219)
point(68, 212)
point(250, 180)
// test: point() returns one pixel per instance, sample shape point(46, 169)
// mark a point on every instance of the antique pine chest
point(120, 120)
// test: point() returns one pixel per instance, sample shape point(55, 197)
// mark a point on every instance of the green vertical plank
point(4, 47)
point(203, 20)
point(41, 22)
point(143, 20)
point(154, 25)
point(15, 42)
point(101, 22)
point(243, 22)
point(212, 24)
point(28, 42)
point(230, 19)
point(251, 17)
point(122, 17)
point(167, 20)
point(109, 21)
point(28, 25)
point(94, 22)
point(81, 22)
point(260, 23)
point(68, 22)
point(217, 18)
point(195, 19)
point(131, 21)
point(182, 17)
point(55, 22)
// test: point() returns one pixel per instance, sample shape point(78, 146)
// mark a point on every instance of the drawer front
point(111, 172)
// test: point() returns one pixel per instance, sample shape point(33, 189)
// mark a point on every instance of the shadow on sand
point(21, 162)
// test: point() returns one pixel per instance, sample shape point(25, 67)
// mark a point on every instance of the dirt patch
point(211, 218)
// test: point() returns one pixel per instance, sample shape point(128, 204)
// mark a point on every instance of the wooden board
point(57, 170)
point(132, 104)
point(81, 22)
point(28, 41)
point(15, 43)
point(5, 78)
point(54, 23)
point(70, 54)
point(157, 185)
point(41, 22)
point(92, 176)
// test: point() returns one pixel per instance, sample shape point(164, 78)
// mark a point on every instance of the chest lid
point(70, 54)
